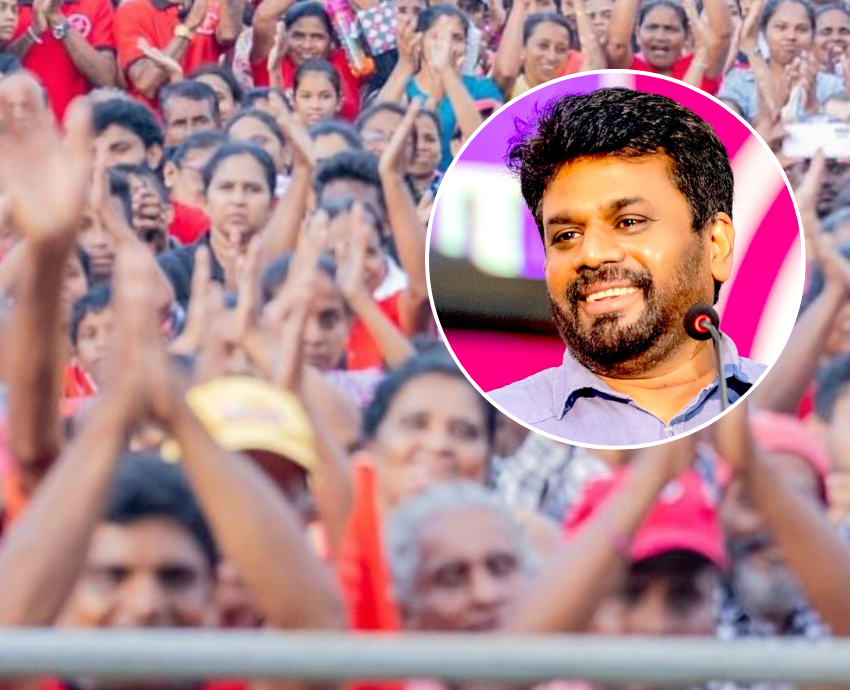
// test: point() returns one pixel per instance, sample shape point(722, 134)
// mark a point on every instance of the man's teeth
point(613, 292)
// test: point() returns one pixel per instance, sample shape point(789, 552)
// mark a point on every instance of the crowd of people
point(223, 400)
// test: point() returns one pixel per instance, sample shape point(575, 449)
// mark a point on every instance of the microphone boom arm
point(718, 359)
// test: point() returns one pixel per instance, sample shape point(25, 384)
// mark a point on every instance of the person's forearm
point(11, 267)
point(230, 24)
point(281, 236)
point(44, 552)
point(784, 387)
point(264, 26)
point(148, 77)
point(394, 347)
point(468, 117)
point(620, 29)
point(592, 56)
point(719, 36)
point(253, 523)
point(343, 417)
point(410, 241)
point(767, 93)
point(576, 580)
point(97, 66)
point(813, 550)
point(21, 46)
point(696, 71)
point(34, 362)
point(507, 65)
point(395, 88)
point(332, 484)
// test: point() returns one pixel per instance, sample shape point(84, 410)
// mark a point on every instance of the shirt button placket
point(669, 430)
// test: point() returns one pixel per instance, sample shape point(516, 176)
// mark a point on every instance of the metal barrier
point(335, 657)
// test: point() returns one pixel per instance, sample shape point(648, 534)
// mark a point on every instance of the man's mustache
point(607, 274)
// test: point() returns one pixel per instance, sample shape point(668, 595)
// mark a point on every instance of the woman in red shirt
point(661, 28)
point(307, 35)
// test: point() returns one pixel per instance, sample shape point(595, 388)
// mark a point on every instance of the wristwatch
point(184, 32)
point(60, 31)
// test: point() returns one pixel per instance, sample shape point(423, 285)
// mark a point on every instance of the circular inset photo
point(603, 246)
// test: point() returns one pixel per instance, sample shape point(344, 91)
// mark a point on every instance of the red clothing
point(77, 388)
point(350, 83)
point(680, 69)
point(574, 63)
point(155, 21)
point(362, 352)
point(51, 62)
point(188, 223)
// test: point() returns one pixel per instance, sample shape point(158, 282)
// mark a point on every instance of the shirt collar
point(574, 381)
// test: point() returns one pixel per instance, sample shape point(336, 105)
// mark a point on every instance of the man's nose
point(146, 602)
point(486, 590)
point(597, 246)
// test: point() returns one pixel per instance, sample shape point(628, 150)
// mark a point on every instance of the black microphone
point(702, 323)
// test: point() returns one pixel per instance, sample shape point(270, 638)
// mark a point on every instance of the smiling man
point(632, 194)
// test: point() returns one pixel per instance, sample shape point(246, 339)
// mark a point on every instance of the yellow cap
point(243, 414)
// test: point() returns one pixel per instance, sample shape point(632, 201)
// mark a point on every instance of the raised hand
point(438, 51)
point(409, 42)
point(351, 258)
point(44, 176)
point(168, 64)
point(295, 132)
point(393, 158)
point(423, 208)
point(140, 373)
point(276, 54)
point(287, 313)
point(750, 26)
point(189, 341)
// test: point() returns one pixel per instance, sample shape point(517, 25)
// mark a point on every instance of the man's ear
point(169, 173)
point(154, 157)
point(722, 237)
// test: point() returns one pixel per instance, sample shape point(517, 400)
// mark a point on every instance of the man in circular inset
point(632, 195)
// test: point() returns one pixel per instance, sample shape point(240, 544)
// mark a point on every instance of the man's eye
point(567, 236)
point(630, 222)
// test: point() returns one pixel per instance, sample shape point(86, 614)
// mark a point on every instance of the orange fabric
point(361, 568)
point(362, 352)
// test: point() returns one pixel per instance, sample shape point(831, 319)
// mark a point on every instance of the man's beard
point(610, 349)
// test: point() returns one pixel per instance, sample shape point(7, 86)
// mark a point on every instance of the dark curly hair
point(623, 123)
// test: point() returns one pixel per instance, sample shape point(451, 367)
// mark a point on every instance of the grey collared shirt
point(572, 403)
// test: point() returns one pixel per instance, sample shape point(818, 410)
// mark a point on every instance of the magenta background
point(494, 359)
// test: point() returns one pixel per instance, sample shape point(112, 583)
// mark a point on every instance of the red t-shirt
point(188, 223)
point(155, 21)
point(50, 60)
point(680, 69)
point(350, 83)
point(362, 352)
